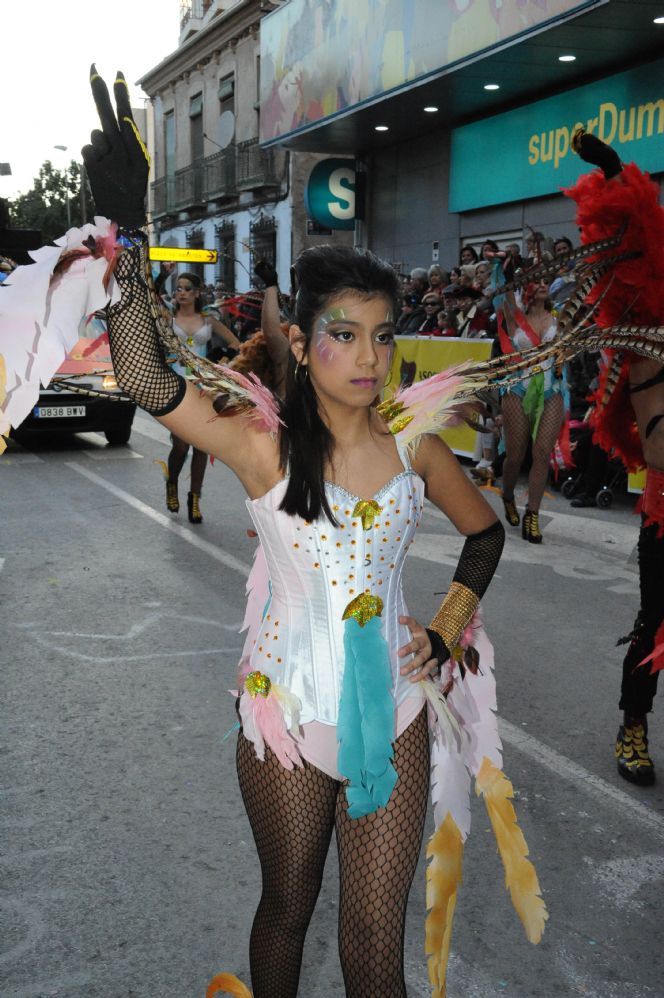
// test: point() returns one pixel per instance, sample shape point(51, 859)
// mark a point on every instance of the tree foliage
point(45, 206)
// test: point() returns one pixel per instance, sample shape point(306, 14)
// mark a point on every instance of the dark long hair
point(323, 273)
point(194, 280)
point(470, 249)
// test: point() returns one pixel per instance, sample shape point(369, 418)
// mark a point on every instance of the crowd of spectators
point(459, 302)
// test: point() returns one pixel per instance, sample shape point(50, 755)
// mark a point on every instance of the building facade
point(213, 186)
point(459, 115)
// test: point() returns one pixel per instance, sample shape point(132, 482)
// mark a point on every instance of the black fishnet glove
point(138, 355)
point(267, 273)
point(479, 559)
point(593, 150)
point(116, 160)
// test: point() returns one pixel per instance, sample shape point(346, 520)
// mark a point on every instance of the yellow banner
point(417, 358)
point(636, 481)
point(176, 254)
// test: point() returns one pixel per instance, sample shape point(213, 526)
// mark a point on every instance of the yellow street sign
point(176, 254)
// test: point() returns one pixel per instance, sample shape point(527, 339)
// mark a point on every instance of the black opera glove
point(478, 562)
point(116, 160)
point(439, 649)
point(267, 273)
point(593, 150)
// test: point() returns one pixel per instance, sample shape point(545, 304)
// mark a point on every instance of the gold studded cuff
point(454, 614)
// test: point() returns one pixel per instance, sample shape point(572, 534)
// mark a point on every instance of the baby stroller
point(596, 477)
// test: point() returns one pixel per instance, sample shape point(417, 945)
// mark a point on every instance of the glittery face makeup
point(335, 331)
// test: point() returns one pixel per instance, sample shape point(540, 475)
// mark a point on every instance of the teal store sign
point(526, 153)
point(329, 196)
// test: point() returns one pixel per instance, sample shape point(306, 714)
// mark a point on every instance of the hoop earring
point(305, 368)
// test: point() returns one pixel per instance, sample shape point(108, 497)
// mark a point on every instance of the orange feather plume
point(520, 876)
point(444, 874)
point(227, 984)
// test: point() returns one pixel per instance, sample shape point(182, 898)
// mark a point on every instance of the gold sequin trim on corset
point(363, 608)
point(367, 510)
point(257, 684)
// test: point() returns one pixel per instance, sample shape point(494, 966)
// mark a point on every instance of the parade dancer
point(339, 680)
point(629, 412)
point(533, 408)
point(195, 329)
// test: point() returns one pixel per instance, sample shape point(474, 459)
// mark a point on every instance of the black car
point(62, 409)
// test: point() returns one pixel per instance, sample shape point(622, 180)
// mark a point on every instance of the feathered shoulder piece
point(430, 405)
point(41, 308)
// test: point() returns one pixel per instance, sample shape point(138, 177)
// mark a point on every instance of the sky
point(47, 48)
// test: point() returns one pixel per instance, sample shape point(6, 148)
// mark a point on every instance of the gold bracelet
point(454, 613)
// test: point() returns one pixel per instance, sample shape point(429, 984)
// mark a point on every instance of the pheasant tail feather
point(444, 874)
point(227, 984)
point(520, 876)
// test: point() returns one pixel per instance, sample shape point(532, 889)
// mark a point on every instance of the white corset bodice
point(315, 570)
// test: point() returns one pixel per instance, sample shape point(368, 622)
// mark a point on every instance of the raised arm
point(117, 165)
point(277, 344)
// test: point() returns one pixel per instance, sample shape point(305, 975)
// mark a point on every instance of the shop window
point(263, 241)
point(196, 126)
point(227, 94)
point(504, 239)
point(169, 144)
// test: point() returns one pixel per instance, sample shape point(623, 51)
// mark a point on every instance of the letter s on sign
point(533, 147)
point(342, 187)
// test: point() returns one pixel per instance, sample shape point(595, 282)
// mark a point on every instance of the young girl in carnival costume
point(532, 408)
point(338, 680)
point(195, 329)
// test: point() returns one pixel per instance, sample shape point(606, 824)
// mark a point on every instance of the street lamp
point(64, 149)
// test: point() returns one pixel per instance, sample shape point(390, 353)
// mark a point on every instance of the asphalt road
point(128, 867)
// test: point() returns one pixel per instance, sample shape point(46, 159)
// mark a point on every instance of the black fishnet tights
point(177, 457)
point(516, 427)
point(292, 814)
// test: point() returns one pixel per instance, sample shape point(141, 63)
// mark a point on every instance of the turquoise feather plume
point(365, 727)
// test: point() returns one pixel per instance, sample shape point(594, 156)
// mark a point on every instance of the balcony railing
point(163, 196)
point(241, 167)
point(219, 180)
point(255, 166)
point(189, 186)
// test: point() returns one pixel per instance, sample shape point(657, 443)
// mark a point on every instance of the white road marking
point(20, 911)
point(563, 767)
point(578, 562)
point(51, 985)
point(616, 539)
point(2, 563)
point(113, 454)
point(621, 879)
point(136, 629)
point(152, 429)
point(187, 535)
point(571, 772)
point(15, 457)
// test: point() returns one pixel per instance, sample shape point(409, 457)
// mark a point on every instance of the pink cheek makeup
point(326, 347)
